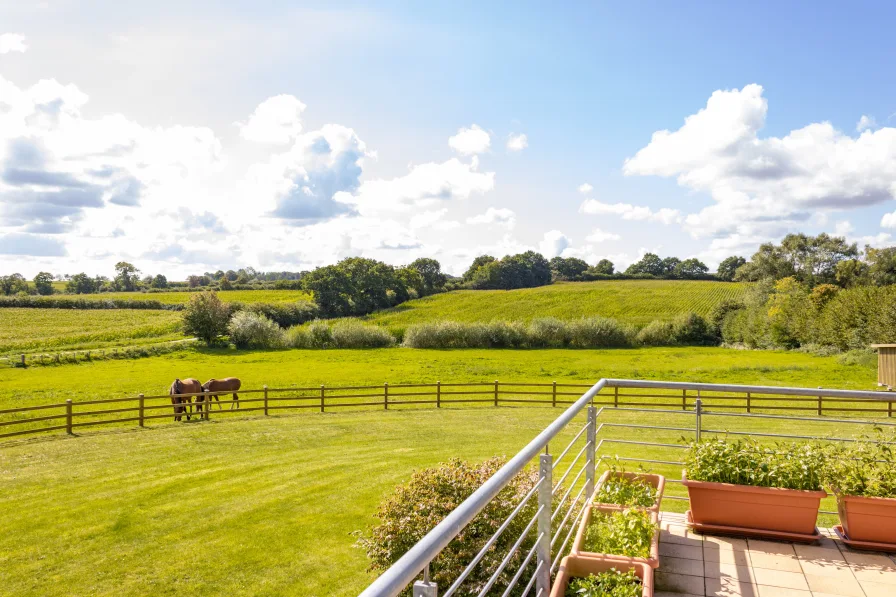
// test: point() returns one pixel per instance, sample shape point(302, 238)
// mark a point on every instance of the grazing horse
point(183, 404)
point(228, 384)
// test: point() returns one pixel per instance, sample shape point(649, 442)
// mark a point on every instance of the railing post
point(820, 404)
point(265, 400)
point(438, 394)
point(496, 392)
point(68, 416)
point(386, 396)
point(590, 452)
point(142, 412)
point(425, 587)
point(890, 408)
point(698, 409)
point(748, 402)
point(543, 549)
point(322, 390)
point(554, 395)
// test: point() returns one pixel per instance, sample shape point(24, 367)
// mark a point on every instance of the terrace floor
point(697, 565)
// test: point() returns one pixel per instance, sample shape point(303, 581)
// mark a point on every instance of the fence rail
point(767, 400)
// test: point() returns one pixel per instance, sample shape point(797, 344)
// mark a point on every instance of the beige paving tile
point(717, 570)
point(825, 542)
point(740, 558)
point(775, 562)
point(817, 594)
point(819, 552)
point(877, 575)
point(827, 569)
point(770, 547)
point(678, 583)
point(728, 543)
point(765, 591)
point(671, 594)
point(682, 566)
point(869, 560)
point(722, 587)
point(780, 578)
point(876, 589)
point(691, 552)
point(680, 536)
point(840, 585)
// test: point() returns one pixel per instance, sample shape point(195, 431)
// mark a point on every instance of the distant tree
point(477, 263)
point(43, 283)
point(231, 275)
point(126, 277)
point(206, 317)
point(242, 279)
point(225, 284)
point(431, 272)
point(809, 260)
point(159, 281)
point(852, 272)
point(82, 284)
point(568, 268)
point(881, 265)
point(728, 267)
point(605, 267)
point(412, 279)
point(649, 264)
point(355, 286)
point(13, 284)
point(525, 270)
point(690, 269)
point(195, 281)
point(670, 267)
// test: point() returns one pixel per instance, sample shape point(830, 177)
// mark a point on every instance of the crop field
point(228, 296)
point(630, 301)
point(59, 329)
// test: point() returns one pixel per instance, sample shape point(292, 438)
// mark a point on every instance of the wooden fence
point(141, 410)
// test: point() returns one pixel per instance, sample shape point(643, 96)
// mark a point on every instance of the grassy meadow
point(228, 296)
point(630, 301)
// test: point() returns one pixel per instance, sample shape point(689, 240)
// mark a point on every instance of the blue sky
point(146, 108)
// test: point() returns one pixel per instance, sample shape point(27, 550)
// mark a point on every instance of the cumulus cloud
point(276, 120)
point(553, 244)
point(470, 141)
point(599, 236)
point(763, 187)
point(889, 220)
point(627, 211)
point(585, 188)
point(517, 142)
point(12, 42)
point(865, 123)
point(500, 216)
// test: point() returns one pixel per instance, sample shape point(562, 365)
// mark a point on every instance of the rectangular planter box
point(766, 511)
point(581, 566)
point(868, 519)
point(658, 482)
point(579, 544)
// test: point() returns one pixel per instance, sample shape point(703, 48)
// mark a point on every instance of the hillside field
point(630, 301)
point(228, 296)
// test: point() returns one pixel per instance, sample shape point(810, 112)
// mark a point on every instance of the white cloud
point(865, 123)
point(12, 42)
point(889, 220)
point(470, 141)
point(599, 236)
point(627, 211)
point(553, 244)
point(585, 188)
point(500, 216)
point(517, 142)
point(278, 120)
point(844, 228)
point(763, 187)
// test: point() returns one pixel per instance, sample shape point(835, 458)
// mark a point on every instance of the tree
point(810, 260)
point(82, 284)
point(881, 265)
point(13, 284)
point(852, 272)
point(691, 268)
point(670, 267)
point(43, 282)
point(126, 277)
point(649, 264)
point(355, 286)
point(431, 272)
point(477, 263)
point(206, 317)
point(728, 267)
point(568, 268)
point(604, 267)
point(159, 281)
point(411, 278)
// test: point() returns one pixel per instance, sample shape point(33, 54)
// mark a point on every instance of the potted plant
point(632, 535)
point(621, 489)
point(863, 477)
point(579, 576)
point(745, 487)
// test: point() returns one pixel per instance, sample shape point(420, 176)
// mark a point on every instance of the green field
point(30, 330)
point(631, 301)
point(228, 296)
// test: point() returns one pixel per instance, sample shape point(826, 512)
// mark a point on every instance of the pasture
point(630, 301)
point(30, 330)
point(228, 296)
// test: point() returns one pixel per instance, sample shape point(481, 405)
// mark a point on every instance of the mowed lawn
point(630, 301)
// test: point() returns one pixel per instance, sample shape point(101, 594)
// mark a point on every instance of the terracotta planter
point(578, 546)
point(868, 519)
point(761, 511)
point(580, 567)
point(658, 482)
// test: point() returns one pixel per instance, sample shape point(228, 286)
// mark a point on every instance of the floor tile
point(691, 552)
point(717, 570)
point(678, 583)
point(840, 585)
point(740, 558)
point(876, 589)
point(680, 538)
point(682, 566)
point(728, 543)
point(878, 575)
point(766, 591)
point(670, 594)
point(780, 578)
point(775, 562)
point(827, 569)
point(816, 552)
point(869, 560)
point(817, 594)
point(770, 547)
point(720, 587)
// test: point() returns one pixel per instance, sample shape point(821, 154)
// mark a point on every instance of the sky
point(193, 136)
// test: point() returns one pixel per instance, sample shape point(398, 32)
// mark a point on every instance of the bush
point(67, 302)
point(656, 333)
point(688, 329)
point(354, 334)
point(866, 468)
point(431, 494)
point(206, 317)
point(251, 330)
point(547, 332)
point(284, 315)
point(441, 334)
point(599, 332)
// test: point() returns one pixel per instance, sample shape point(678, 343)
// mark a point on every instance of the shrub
point(251, 330)
point(627, 533)
point(284, 315)
point(354, 334)
point(428, 497)
point(747, 462)
point(599, 332)
point(865, 468)
point(547, 332)
point(612, 583)
point(206, 317)
point(441, 334)
point(691, 329)
point(656, 333)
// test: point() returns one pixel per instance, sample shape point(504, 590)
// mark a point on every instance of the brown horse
point(228, 384)
point(183, 404)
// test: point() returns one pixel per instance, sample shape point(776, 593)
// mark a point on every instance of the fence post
point(205, 403)
point(684, 399)
point(820, 404)
point(438, 394)
point(68, 416)
point(698, 409)
point(554, 394)
point(543, 549)
point(496, 392)
point(590, 452)
point(748, 402)
point(615, 396)
point(890, 407)
point(322, 397)
point(425, 587)
point(386, 396)
point(140, 398)
point(265, 400)
point(23, 360)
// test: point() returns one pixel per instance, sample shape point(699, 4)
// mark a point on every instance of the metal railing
point(557, 515)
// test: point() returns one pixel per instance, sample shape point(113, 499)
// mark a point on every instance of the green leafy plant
point(625, 491)
point(747, 462)
point(627, 533)
point(611, 583)
point(866, 468)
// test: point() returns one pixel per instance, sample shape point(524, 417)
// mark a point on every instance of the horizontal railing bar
point(467, 393)
point(675, 497)
point(791, 418)
point(655, 410)
point(90, 423)
point(630, 441)
point(569, 446)
point(103, 401)
point(733, 388)
point(780, 435)
point(103, 412)
point(691, 429)
point(671, 462)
